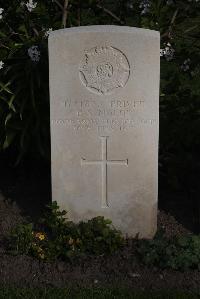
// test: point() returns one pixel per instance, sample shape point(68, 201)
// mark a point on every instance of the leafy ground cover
point(57, 238)
point(120, 268)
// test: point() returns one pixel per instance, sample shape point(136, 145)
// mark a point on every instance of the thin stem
point(35, 31)
point(191, 28)
point(79, 13)
point(110, 13)
point(58, 3)
point(171, 24)
point(64, 17)
point(173, 20)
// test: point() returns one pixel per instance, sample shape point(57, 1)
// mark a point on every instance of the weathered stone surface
point(104, 90)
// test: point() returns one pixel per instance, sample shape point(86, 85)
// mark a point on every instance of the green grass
point(80, 293)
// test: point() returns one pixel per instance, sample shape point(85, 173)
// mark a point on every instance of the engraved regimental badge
point(103, 69)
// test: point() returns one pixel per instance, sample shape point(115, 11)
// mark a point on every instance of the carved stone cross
point(104, 162)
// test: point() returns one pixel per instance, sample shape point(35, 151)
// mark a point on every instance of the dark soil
point(25, 194)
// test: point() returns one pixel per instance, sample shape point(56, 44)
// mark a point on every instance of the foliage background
point(24, 93)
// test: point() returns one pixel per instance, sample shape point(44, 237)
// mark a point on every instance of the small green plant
point(25, 240)
point(98, 236)
point(64, 239)
point(54, 220)
point(60, 238)
point(21, 238)
point(180, 253)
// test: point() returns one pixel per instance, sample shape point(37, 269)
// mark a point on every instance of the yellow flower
point(39, 249)
point(41, 255)
point(78, 241)
point(40, 236)
point(71, 241)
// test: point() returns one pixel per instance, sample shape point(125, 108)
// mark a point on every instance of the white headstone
point(104, 96)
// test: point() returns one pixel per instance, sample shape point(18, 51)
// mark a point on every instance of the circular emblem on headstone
point(103, 69)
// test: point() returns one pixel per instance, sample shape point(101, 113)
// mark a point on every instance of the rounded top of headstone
point(106, 29)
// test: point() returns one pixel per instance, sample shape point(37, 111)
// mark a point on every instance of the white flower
point(167, 52)
point(48, 32)
point(34, 53)
point(195, 72)
point(1, 65)
point(1, 12)
point(129, 5)
point(162, 52)
point(145, 5)
point(170, 2)
point(31, 5)
point(186, 65)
